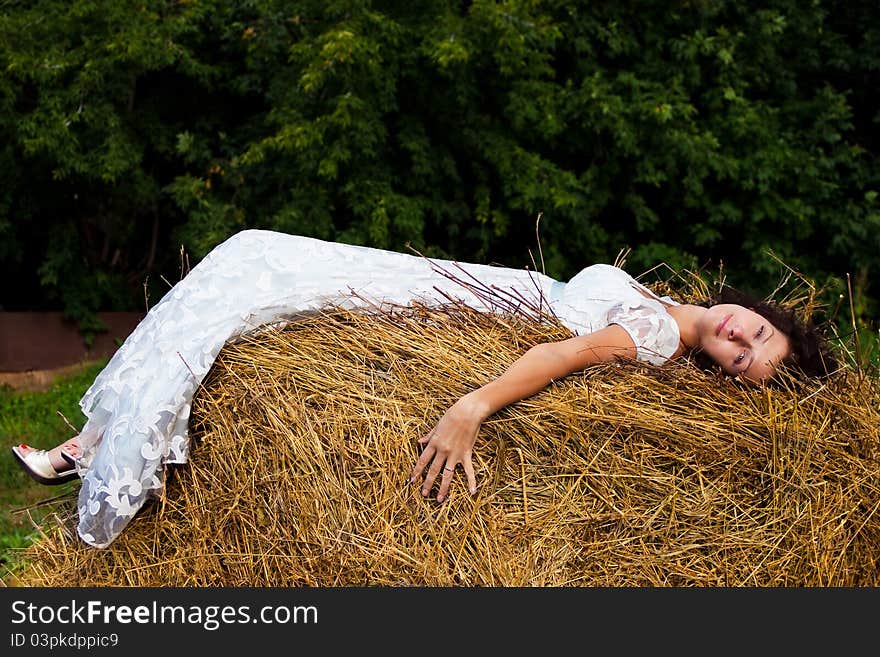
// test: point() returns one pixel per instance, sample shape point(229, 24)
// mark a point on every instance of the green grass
point(33, 418)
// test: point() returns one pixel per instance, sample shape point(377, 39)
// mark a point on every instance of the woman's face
point(743, 342)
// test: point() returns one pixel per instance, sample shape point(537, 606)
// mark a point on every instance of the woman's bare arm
point(451, 441)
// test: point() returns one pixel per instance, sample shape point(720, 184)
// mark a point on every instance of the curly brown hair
point(810, 356)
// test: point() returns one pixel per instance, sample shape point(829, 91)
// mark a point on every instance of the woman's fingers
point(442, 469)
point(445, 480)
point(449, 471)
point(422, 463)
point(449, 443)
point(431, 476)
point(440, 466)
point(469, 473)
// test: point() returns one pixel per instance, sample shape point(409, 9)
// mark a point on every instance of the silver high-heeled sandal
point(38, 465)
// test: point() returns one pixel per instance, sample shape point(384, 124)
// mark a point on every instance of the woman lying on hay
point(138, 407)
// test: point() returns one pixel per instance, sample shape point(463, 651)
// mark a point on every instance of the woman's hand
point(449, 443)
point(452, 441)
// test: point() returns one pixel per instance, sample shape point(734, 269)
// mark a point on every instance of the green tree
point(693, 132)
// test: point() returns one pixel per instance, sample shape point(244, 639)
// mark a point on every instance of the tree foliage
point(692, 132)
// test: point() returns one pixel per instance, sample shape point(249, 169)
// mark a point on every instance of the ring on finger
point(449, 469)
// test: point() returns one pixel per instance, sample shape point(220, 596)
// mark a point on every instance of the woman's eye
point(760, 332)
point(739, 358)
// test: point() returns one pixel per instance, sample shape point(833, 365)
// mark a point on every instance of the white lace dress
point(138, 407)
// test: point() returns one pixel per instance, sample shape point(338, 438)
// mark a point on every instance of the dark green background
point(695, 133)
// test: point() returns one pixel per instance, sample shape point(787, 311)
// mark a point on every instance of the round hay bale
point(624, 475)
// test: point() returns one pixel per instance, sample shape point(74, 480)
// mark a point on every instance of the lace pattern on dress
point(653, 330)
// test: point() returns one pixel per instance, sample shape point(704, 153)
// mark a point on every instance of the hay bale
point(624, 475)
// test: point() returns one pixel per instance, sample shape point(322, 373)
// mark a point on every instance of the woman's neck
point(687, 316)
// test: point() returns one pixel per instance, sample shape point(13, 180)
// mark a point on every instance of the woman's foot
point(61, 457)
point(53, 466)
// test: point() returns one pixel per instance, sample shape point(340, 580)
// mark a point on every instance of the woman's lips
point(722, 324)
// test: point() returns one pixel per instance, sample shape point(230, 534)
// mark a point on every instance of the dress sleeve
point(653, 330)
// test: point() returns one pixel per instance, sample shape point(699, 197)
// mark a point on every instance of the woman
point(138, 407)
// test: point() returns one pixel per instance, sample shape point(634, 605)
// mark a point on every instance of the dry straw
point(623, 475)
